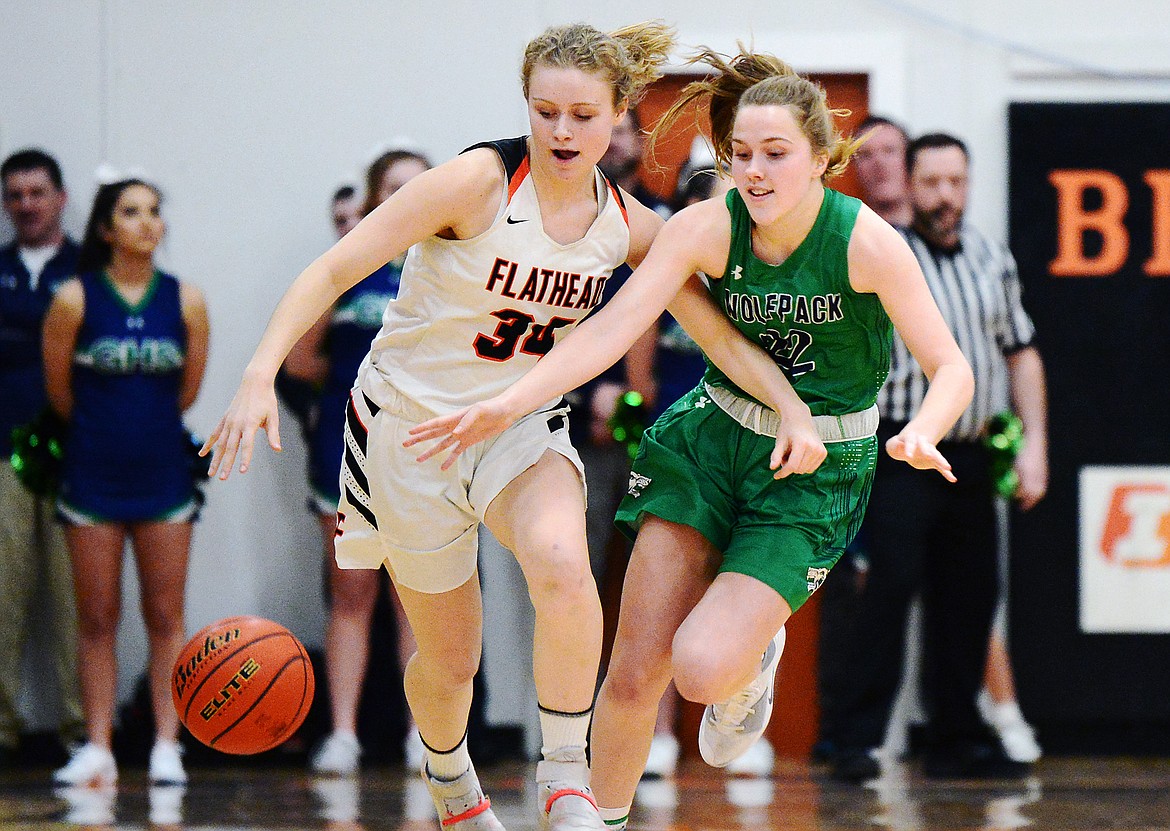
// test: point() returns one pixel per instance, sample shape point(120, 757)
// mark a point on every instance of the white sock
point(615, 819)
point(448, 765)
point(563, 730)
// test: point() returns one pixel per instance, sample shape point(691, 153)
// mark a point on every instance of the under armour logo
point(638, 483)
point(702, 402)
point(737, 273)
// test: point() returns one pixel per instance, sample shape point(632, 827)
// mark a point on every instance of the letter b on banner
point(1075, 222)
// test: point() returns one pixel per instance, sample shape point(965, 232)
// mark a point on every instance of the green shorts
point(698, 467)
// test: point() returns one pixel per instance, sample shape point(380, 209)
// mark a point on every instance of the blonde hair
point(754, 78)
point(629, 59)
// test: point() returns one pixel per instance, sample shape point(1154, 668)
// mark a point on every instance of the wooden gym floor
point(1069, 794)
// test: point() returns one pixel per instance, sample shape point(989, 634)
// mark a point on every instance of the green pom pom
point(628, 421)
point(1005, 435)
point(37, 450)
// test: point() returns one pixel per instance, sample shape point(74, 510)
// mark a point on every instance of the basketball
point(242, 684)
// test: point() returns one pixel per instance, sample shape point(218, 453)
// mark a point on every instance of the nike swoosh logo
point(515, 221)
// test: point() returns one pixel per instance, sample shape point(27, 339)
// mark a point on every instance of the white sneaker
point(562, 789)
point(757, 760)
point(166, 764)
point(89, 765)
point(1019, 741)
point(461, 803)
point(663, 759)
point(413, 750)
point(337, 755)
point(1015, 734)
point(728, 729)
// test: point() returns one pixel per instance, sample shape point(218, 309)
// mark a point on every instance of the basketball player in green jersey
point(727, 549)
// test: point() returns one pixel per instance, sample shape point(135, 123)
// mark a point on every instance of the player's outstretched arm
point(880, 261)
point(458, 196)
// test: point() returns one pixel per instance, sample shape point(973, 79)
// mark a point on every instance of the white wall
point(249, 114)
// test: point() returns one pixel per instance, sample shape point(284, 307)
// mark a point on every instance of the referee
point(923, 534)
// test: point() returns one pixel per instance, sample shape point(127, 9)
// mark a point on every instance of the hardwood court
point(1069, 794)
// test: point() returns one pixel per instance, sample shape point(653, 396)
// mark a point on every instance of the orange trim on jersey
point(517, 179)
point(621, 202)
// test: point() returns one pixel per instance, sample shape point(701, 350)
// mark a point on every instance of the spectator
point(34, 560)
point(125, 347)
point(346, 210)
point(881, 170)
point(623, 162)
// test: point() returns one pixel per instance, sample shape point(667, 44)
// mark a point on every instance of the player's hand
point(253, 407)
point(918, 451)
point(798, 447)
point(1032, 468)
point(462, 429)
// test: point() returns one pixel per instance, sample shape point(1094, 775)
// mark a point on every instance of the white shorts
point(421, 521)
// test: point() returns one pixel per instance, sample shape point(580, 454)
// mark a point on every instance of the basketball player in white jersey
point(513, 242)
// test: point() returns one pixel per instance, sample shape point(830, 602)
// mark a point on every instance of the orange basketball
point(243, 684)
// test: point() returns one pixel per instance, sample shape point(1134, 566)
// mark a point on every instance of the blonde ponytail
point(629, 59)
point(648, 46)
point(756, 78)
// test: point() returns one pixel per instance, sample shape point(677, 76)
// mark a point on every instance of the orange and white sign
point(1125, 549)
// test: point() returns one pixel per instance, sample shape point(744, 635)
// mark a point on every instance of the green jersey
point(832, 342)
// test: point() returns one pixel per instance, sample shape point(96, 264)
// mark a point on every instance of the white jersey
point(472, 316)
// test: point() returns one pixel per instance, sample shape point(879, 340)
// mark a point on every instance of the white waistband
point(765, 422)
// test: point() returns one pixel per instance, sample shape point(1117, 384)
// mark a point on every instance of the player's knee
point(161, 621)
point(453, 665)
point(632, 686)
point(697, 687)
point(699, 672)
point(560, 576)
point(97, 622)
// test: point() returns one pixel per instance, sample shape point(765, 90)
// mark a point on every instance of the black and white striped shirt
point(977, 290)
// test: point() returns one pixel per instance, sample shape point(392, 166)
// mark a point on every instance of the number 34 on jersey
point(518, 330)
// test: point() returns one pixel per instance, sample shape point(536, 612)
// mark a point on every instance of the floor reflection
point(1066, 794)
